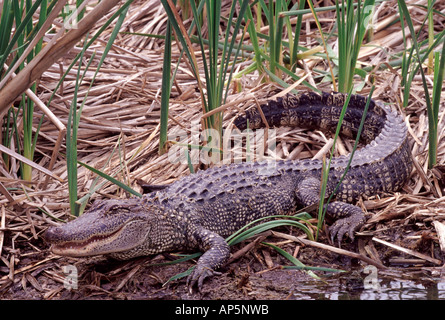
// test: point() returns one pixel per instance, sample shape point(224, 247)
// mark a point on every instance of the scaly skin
point(197, 212)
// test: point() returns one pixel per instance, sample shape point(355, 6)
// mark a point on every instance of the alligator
point(199, 211)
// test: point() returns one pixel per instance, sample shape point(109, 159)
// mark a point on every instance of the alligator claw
point(348, 226)
point(198, 275)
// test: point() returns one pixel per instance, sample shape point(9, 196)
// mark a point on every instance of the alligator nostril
point(52, 234)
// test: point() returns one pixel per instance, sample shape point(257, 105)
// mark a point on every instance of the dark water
point(406, 290)
point(392, 285)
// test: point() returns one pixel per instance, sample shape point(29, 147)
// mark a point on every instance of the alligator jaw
point(92, 246)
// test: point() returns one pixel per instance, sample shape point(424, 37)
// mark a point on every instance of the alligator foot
point(347, 225)
point(198, 275)
point(348, 218)
point(216, 253)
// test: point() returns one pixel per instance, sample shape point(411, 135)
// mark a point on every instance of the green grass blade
point(325, 169)
point(75, 114)
point(278, 80)
point(430, 35)
point(6, 23)
point(19, 32)
point(196, 15)
point(323, 208)
point(106, 50)
point(180, 275)
point(292, 259)
point(165, 90)
point(272, 42)
point(311, 5)
point(248, 17)
point(351, 31)
point(294, 48)
point(432, 116)
point(181, 36)
point(94, 185)
point(184, 38)
point(439, 73)
point(251, 229)
point(228, 50)
point(111, 179)
point(71, 139)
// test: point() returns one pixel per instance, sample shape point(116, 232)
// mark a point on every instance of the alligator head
point(107, 228)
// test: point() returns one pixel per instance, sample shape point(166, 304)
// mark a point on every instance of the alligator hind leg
point(349, 218)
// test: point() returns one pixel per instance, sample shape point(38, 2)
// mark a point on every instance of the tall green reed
point(18, 15)
point(76, 110)
point(413, 63)
point(351, 26)
point(218, 65)
point(278, 56)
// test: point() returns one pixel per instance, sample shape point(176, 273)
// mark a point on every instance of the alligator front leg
point(216, 253)
point(349, 218)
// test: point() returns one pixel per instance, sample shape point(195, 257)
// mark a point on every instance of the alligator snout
point(53, 234)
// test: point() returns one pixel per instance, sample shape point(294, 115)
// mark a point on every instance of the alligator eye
point(116, 208)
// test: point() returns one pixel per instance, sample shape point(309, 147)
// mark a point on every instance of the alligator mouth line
point(94, 245)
